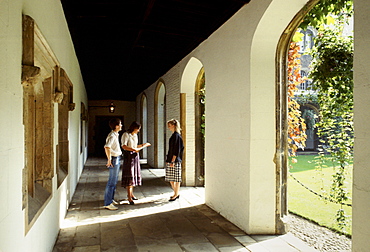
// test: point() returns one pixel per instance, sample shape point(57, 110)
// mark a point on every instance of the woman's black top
point(176, 148)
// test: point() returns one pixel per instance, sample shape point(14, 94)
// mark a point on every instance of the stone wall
point(38, 231)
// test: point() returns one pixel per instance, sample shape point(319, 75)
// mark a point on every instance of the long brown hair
point(133, 126)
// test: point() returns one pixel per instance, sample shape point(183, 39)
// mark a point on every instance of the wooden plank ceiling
point(124, 46)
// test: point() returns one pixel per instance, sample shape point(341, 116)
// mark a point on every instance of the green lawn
point(309, 205)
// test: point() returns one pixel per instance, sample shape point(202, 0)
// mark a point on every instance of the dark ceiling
point(124, 46)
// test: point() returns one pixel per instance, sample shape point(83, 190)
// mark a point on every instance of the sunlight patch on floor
point(146, 206)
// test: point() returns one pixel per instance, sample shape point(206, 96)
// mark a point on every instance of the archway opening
point(144, 124)
point(160, 124)
point(200, 127)
point(193, 122)
point(293, 108)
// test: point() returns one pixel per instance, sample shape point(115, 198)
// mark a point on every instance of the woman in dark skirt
point(174, 158)
point(131, 171)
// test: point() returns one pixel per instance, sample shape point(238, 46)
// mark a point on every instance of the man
point(113, 152)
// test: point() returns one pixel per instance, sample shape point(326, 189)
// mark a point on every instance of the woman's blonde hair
point(176, 123)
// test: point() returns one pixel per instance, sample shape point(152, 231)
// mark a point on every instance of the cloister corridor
point(153, 223)
point(51, 101)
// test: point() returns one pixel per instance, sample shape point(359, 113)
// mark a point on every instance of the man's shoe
point(115, 202)
point(111, 207)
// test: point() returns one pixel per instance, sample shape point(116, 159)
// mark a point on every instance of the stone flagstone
point(153, 223)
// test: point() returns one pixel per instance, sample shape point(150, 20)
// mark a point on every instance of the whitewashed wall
point(361, 169)
point(49, 17)
point(239, 63)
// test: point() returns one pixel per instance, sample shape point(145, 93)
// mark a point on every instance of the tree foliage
point(324, 10)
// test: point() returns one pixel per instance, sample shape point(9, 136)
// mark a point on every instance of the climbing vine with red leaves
point(296, 124)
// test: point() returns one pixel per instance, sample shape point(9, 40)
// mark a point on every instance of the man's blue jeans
point(110, 189)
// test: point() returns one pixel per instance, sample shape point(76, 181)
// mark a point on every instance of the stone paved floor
point(154, 224)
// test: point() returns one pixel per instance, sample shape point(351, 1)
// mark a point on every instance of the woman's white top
point(129, 140)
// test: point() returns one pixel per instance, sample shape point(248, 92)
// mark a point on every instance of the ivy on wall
point(332, 75)
point(202, 94)
point(296, 125)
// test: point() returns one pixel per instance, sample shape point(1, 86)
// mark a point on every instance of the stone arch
point(159, 125)
point(261, 211)
point(189, 80)
point(281, 156)
point(199, 135)
point(144, 123)
point(190, 74)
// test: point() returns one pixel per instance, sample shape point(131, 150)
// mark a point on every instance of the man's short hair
point(114, 122)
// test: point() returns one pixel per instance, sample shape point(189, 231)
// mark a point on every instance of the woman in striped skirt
point(174, 158)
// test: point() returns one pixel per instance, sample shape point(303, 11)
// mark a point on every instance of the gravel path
point(318, 237)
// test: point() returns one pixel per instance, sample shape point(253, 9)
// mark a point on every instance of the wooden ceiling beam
point(148, 10)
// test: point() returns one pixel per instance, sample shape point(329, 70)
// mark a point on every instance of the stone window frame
point(84, 118)
point(64, 99)
point(43, 86)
